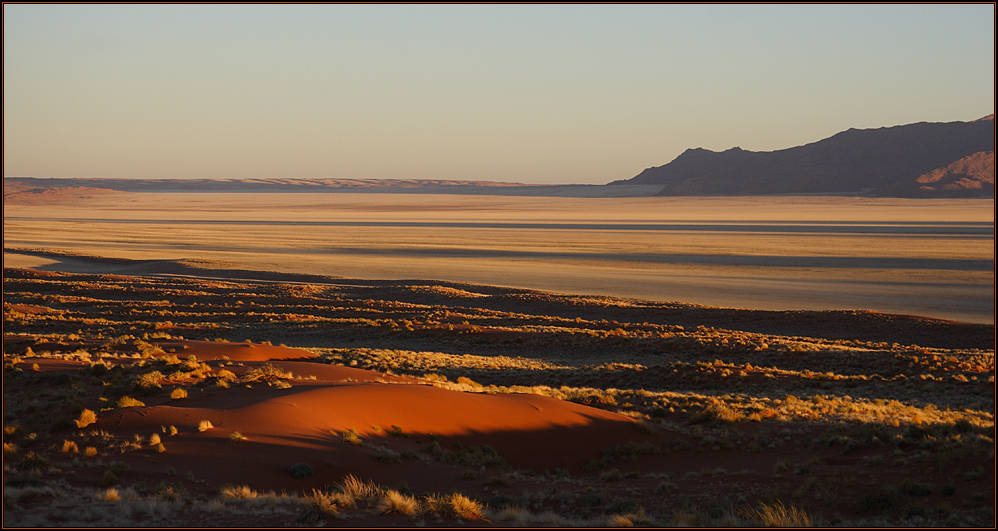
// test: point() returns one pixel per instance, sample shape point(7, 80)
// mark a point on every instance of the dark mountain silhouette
point(916, 160)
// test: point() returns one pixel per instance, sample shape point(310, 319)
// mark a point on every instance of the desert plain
point(932, 257)
point(372, 359)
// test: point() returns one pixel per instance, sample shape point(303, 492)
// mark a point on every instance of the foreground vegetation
point(760, 418)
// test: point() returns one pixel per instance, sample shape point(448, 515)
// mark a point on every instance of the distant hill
point(22, 190)
point(954, 159)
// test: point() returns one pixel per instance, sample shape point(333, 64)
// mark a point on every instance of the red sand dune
point(283, 427)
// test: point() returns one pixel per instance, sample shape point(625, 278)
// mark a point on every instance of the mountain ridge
point(886, 161)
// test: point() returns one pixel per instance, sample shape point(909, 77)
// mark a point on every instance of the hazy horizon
point(538, 94)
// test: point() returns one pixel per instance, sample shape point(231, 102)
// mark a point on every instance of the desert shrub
point(236, 436)
point(109, 495)
point(623, 506)
point(127, 401)
point(480, 456)
point(351, 436)
point(33, 461)
point(644, 427)
point(9, 449)
point(266, 373)
point(178, 393)
point(395, 431)
point(70, 447)
point(665, 487)
point(109, 479)
point(154, 439)
point(90, 451)
point(715, 412)
point(301, 470)
point(386, 455)
point(500, 501)
point(87, 417)
point(172, 493)
point(205, 425)
point(232, 492)
point(611, 475)
point(885, 499)
point(499, 481)
point(148, 382)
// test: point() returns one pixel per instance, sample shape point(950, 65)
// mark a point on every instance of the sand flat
point(924, 257)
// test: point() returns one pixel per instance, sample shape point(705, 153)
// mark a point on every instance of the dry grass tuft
point(465, 507)
point(778, 515)
point(87, 418)
point(70, 447)
point(127, 401)
point(205, 425)
point(318, 506)
point(109, 495)
point(242, 492)
point(356, 489)
point(266, 373)
point(393, 501)
point(351, 436)
point(178, 393)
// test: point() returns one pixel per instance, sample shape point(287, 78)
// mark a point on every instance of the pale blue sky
point(527, 93)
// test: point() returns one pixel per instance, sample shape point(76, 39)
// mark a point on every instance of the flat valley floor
point(919, 257)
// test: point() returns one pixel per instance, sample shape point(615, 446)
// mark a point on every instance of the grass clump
point(611, 475)
point(351, 436)
point(70, 447)
point(465, 507)
point(778, 515)
point(109, 495)
point(266, 373)
point(236, 436)
point(317, 506)
point(127, 401)
point(241, 492)
point(178, 393)
point(87, 417)
point(205, 425)
point(109, 479)
point(393, 501)
point(149, 382)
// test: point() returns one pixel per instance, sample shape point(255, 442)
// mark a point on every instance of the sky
point(548, 94)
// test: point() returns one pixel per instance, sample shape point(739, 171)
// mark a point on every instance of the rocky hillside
point(954, 159)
